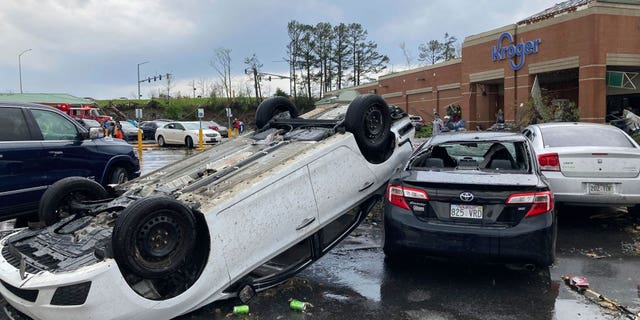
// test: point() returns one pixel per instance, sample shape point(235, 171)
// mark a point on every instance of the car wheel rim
point(159, 237)
point(373, 123)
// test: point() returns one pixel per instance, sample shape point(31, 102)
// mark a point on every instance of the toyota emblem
point(466, 196)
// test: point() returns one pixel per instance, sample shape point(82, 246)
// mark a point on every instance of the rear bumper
point(531, 241)
point(575, 190)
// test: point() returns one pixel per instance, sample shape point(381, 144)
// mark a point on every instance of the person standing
point(437, 125)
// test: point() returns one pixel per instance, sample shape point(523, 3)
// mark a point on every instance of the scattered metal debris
point(581, 285)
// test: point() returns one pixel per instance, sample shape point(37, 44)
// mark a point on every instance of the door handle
point(366, 186)
point(55, 153)
point(305, 223)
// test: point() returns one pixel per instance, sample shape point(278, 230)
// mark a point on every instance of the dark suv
point(40, 145)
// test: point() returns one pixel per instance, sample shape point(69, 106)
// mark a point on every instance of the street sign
point(200, 113)
point(138, 113)
point(229, 114)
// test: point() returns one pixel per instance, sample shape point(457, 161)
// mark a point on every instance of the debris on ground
point(581, 285)
point(596, 253)
point(241, 309)
point(299, 305)
point(634, 246)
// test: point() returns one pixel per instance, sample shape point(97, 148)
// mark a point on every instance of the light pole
point(20, 67)
point(139, 77)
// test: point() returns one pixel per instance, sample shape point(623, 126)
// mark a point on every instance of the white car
point(185, 132)
point(588, 163)
point(226, 222)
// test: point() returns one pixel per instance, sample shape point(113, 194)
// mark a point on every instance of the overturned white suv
point(230, 221)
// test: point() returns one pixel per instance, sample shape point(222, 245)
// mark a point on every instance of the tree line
point(323, 57)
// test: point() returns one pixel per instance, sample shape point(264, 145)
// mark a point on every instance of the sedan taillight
point(541, 202)
point(396, 195)
point(549, 162)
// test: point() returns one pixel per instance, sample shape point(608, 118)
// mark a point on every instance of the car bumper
point(531, 241)
point(59, 296)
point(575, 190)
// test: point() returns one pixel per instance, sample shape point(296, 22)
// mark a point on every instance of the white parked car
point(588, 163)
point(185, 132)
point(226, 222)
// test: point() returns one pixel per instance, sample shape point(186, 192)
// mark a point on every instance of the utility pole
point(193, 85)
point(20, 67)
point(141, 63)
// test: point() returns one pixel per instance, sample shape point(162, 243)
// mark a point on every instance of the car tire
point(154, 236)
point(188, 142)
point(54, 204)
point(369, 120)
point(161, 141)
point(118, 175)
point(275, 107)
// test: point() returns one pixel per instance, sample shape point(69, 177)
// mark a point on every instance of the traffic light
point(160, 77)
point(154, 78)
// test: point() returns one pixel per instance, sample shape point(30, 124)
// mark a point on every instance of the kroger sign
point(511, 51)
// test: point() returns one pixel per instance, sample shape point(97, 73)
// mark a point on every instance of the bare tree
point(202, 84)
point(221, 62)
point(408, 57)
point(253, 68)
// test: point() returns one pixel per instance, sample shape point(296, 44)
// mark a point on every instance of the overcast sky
point(91, 48)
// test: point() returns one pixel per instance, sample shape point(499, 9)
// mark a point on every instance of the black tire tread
point(270, 107)
point(51, 198)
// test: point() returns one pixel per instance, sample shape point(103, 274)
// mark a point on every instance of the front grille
point(29, 295)
point(73, 295)
point(13, 257)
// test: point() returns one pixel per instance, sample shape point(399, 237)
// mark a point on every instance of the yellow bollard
point(229, 133)
point(139, 141)
point(235, 131)
point(200, 140)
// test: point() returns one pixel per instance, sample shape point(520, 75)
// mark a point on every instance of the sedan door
point(339, 178)
point(266, 223)
point(178, 133)
point(21, 175)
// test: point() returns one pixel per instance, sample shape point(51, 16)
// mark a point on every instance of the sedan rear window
point(510, 156)
point(577, 136)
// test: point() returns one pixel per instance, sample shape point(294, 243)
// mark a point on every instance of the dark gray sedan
point(472, 195)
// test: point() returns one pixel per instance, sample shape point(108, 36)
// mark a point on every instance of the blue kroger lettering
point(513, 50)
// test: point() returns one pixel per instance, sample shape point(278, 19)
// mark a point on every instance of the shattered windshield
point(508, 156)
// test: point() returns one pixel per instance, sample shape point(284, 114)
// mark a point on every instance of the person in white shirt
point(437, 125)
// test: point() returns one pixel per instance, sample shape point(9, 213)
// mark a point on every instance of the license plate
point(466, 211)
point(600, 188)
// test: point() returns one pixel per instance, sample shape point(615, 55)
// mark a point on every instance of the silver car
point(588, 163)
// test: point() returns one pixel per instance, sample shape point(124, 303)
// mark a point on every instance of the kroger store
point(584, 51)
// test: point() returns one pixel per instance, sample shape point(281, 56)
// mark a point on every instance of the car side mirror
point(95, 133)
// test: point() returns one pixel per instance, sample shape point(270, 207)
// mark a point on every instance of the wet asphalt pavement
point(354, 281)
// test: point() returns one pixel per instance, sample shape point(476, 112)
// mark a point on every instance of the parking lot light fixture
point(141, 63)
point(20, 66)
